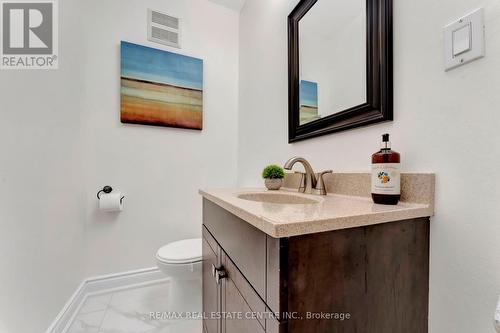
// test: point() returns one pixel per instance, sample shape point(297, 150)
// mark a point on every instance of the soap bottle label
point(386, 178)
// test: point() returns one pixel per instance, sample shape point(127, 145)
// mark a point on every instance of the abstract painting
point(160, 88)
point(308, 101)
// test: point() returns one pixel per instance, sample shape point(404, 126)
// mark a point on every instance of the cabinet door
point(211, 290)
point(243, 308)
point(242, 242)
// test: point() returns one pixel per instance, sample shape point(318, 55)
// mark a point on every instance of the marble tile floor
point(130, 311)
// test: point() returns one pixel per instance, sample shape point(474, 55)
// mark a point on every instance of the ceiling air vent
point(164, 29)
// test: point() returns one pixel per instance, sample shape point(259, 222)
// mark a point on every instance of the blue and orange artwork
point(160, 88)
point(308, 101)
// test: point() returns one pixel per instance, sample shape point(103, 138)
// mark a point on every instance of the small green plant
point(273, 172)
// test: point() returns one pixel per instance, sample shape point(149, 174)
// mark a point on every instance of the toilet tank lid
point(183, 251)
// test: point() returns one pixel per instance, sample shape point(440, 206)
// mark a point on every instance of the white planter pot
point(273, 184)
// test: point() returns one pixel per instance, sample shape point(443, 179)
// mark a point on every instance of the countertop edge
point(354, 221)
point(276, 229)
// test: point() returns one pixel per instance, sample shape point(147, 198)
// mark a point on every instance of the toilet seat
point(185, 251)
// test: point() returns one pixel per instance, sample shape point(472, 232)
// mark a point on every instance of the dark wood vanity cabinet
point(372, 279)
point(230, 304)
point(211, 289)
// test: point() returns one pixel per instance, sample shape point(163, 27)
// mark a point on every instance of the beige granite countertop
point(331, 212)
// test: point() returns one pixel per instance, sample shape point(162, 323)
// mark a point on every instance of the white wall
point(41, 192)
point(159, 169)
point(444, 122)
point(61, 140)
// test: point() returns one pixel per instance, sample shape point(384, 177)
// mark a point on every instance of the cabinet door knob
point(214, 270)
point(220, 274)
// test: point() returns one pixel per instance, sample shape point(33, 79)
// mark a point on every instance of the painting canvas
point(160, 88)
point(308, 101)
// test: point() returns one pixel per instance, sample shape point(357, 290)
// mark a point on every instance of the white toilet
point(181, 261)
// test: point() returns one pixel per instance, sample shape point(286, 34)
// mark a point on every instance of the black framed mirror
point(340, 72)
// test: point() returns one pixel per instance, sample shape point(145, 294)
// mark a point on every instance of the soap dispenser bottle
point(386, 174)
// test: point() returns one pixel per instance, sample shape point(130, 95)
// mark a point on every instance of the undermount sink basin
point(278, 198)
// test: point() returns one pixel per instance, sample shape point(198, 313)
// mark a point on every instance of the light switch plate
point(464, 40)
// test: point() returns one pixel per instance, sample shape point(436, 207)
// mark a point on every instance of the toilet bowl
point(181, 261)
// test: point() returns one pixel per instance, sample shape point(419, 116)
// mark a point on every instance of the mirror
point(332, 58)
point(340, 65)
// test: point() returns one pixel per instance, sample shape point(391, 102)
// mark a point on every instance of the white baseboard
point(98, 285)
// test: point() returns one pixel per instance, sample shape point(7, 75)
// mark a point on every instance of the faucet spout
point(310, 180)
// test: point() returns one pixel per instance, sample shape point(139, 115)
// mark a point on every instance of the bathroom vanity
point(288, 262)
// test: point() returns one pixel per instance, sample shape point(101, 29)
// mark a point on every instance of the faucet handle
point(302, 185)
point(321, 182)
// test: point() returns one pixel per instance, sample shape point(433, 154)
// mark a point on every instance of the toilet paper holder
point(107, 189)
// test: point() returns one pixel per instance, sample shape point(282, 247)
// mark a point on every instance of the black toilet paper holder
point(107, 189)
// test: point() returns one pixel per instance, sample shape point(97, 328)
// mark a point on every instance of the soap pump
point(386, 174)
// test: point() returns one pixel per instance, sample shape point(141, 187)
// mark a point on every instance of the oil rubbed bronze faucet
point(310, 181)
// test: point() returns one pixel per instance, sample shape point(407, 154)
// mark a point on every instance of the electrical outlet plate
point(464, 40)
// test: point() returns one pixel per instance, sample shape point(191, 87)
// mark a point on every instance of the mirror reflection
point(332, 58)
